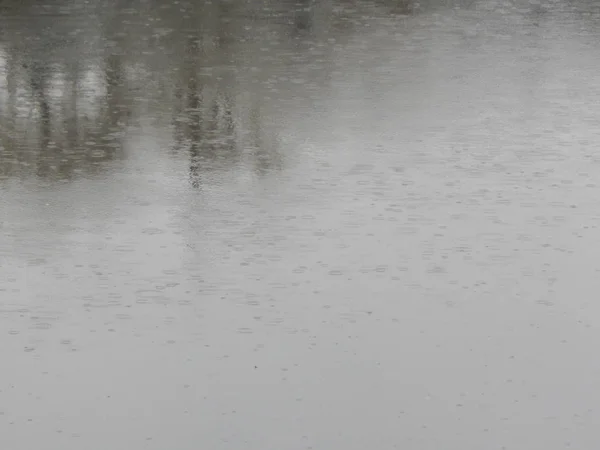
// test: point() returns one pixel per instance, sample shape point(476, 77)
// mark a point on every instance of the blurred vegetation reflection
point(78, 77)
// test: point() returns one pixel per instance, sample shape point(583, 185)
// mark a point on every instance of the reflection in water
point(303, 16)
point(70, 100)
point(39, 72)
point(64, 118)
point(205, 125)
point(193, 109)
point(79, 78)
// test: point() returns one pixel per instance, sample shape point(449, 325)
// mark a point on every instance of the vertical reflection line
point(193, 109)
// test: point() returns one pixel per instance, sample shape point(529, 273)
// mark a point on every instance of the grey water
point(310, 224)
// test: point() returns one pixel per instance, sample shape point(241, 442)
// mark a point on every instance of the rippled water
point(299, 225)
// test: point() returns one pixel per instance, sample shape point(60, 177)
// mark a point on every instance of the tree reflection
point(205, 124)
point(303, 16)
point(56, 127)
point(79, 76)
point(39, 73)
point(192, 109)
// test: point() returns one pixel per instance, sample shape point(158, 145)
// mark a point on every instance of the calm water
point(299, 225)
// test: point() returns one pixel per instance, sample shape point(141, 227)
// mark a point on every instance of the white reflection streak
point(4, 72)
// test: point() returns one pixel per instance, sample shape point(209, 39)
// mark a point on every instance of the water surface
point(299, 225)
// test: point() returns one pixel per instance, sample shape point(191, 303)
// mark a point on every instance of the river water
point(299, 225)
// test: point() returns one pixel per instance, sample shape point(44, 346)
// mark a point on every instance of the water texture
point(319, 225)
